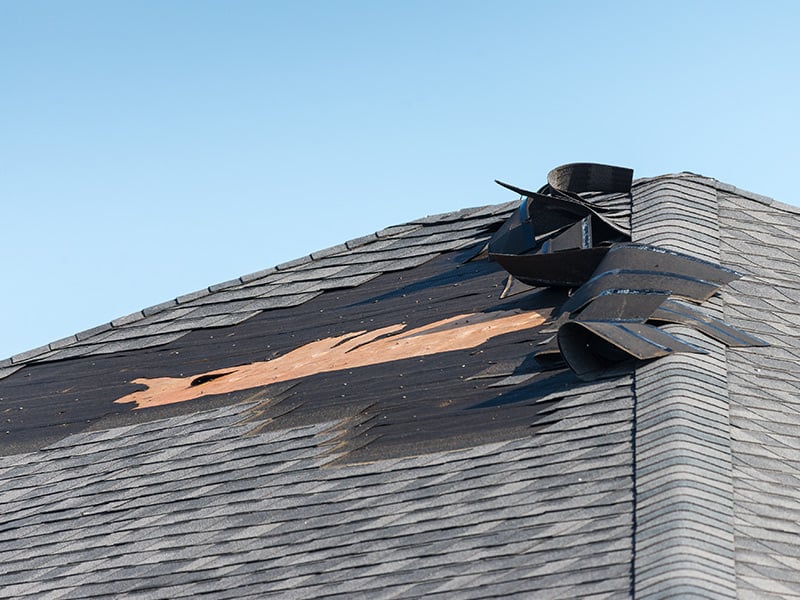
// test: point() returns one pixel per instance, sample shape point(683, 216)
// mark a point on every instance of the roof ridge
point(725, 187)
point(104, 330)
point(766, 200)
point(677, 488)
point(65, 347)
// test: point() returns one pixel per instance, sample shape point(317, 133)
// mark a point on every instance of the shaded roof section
point(444, 463)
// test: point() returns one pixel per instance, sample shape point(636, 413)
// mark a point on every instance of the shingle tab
point(333, 250)
point(23, 357)
point(157, 308)
point(293, 263)
point(67, 341)
point(94, 331)
point(258, 275)
point(217, 287)
point(128, 319)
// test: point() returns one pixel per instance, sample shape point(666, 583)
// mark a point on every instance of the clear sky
point(149, 149)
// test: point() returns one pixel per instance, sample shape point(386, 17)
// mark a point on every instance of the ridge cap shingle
point(724, 187)
point(397, 231)
point(765, 200)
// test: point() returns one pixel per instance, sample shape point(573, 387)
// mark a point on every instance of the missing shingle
point(339, 353)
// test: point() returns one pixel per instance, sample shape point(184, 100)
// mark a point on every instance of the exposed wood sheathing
point(346, 351)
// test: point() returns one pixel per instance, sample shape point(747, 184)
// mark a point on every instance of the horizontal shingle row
point(181, 506)
point(289, 284)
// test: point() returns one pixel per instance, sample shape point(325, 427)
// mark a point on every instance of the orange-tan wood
point(352, 350)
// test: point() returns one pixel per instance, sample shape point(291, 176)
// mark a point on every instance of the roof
point(371, 421)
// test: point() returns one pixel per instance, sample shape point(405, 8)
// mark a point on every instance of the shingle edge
point(485, 212)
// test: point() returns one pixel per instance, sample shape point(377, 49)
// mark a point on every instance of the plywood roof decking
point(481, 476)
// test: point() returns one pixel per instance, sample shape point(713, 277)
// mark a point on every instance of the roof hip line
point(683, 493)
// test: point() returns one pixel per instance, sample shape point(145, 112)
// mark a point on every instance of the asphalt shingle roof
point(462, 471)
point(759, 237)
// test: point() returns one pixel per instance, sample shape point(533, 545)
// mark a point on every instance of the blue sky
point(148, 149)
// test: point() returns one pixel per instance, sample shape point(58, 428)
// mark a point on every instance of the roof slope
point(368, 421)
point(760, 238)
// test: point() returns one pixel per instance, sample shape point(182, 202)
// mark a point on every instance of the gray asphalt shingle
point(681, 480)
point(765, 509)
